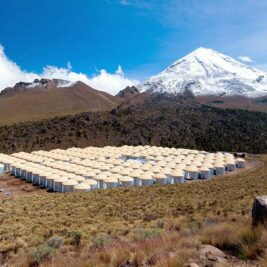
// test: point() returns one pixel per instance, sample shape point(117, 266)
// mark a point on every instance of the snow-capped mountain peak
point(205, 71)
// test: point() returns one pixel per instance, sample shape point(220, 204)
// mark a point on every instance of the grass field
point(147, 226)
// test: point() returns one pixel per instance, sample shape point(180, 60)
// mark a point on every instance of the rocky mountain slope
point(207, 72)
point(158, 120)
point(49, 98)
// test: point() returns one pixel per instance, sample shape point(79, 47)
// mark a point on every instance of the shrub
point(75, 238)
point(150, 233)
point(223, 236)
point(55, 242)
point(41, 253)
point(100, 240)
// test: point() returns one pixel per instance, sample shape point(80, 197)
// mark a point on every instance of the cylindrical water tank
point(231, 165)
point(136, 174)
point(68, 186)
point(42, 178)
point(18, 170)
point(92, 183)
point(241, 163)
point(160, 178)
point(147, 178)
point(178, 177)
point(192, 173)
point(82, 187)
point(29, 174)
point(110, 183)
point(204, 172)
point(219, 168)
point(126, 181)
point(100, 180)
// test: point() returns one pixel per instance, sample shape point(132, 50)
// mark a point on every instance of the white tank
point(110, 183)
point(29, 175)
point(160, 178)
point(126, 181)
point(17, 170)
point(42, 178)
point(231, 165)
point(23, 171)
point(204, 172)
point(178, 177)
point(191, 173)
point(92, 184)
point(82, 187)
point(219, 168)
point(12, 169)
point(241, 163)
point(35, 176)
point(68, 186)
point(136, 174)
point(100, 180)
point(50, 182)
point(147, 178)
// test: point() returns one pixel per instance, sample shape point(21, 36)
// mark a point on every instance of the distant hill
point(234, 102)
point(45, 98)
point(157, 120)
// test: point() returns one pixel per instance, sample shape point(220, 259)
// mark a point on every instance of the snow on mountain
point(207, 72)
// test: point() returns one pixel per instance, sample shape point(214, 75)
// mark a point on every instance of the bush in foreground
point(55, 242)
point(41, 253)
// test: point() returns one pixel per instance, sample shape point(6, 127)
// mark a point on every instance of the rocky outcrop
point(128, 92)
point(259, 211)
point(210, 256)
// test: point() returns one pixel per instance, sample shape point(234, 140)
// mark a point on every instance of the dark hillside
point(159, 120)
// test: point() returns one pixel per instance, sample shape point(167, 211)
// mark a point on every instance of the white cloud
point(11, 73)
point(245, 59)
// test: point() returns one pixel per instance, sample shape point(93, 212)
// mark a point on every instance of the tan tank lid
point(90, 182)
point(177, 173)
point(82, 186)
point(159, 176)
point(204, 169)
point(126, 179)
point(69, 182)
point(146, 176)
point(191, 168)
point(111, 180)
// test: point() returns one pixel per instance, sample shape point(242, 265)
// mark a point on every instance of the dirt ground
point(13, 187)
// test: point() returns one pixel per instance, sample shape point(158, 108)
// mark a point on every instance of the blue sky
point(143, 37)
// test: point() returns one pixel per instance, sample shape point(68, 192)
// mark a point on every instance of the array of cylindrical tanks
point(92, 168)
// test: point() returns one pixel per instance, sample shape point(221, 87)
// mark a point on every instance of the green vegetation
point(160, 121)
point(41, 253)
point(155, 226)
point(55, 241)
point(217, 102)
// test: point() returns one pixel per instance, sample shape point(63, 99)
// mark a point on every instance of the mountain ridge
point(46, 98)
point(208, 72)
